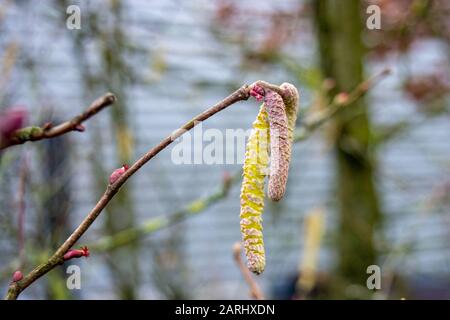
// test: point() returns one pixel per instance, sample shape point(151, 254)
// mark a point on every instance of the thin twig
point(255, 290)
point(35, 133)
point(16, 288)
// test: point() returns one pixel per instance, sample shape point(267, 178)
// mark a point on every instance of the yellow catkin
point(252, 192)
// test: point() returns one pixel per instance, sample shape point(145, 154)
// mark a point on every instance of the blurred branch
point(47, 131)
point(339, 103)
point(157, 223)
point(16, 288)
point(255, 290)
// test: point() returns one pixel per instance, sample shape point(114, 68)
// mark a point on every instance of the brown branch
point(58, 257)
point(255, 290)
point(35, 133)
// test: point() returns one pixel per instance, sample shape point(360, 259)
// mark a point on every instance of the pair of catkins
point(271, 138)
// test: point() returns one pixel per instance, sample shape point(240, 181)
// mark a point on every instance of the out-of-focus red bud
point(77, 253)
point(17, 276)
point(117, 173)
point(11, 120)
point(80, 128)
point(226, 178)
point(341, 98)
point(329, 84)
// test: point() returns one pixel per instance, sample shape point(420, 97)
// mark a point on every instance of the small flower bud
point(79, 128)
point(226, 179)
point(17, 276)
point(328, 84)
point(341, 98)
point(76, 253)
point(117, 173)
point(257, 92)
point(11, 120)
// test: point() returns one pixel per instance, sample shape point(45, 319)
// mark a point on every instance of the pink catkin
point(280, 149)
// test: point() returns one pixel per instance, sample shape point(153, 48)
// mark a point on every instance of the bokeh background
point(371, 186)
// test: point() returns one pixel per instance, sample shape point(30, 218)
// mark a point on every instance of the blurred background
point(370, 186)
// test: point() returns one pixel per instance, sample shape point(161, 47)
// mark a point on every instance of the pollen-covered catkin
point(280, 149)
point(252, 192)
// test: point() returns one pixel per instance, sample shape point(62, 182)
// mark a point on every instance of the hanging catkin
point(276, 116)
point(282, 115)
point(279, 144)
point(252, 192)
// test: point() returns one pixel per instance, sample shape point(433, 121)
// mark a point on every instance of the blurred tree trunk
point(56, 208)
point(123, 262)
point(114, 75)
point(339, 29)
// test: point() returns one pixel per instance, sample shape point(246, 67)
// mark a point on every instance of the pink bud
point(76, 253)
point(329, 84)
point(11, 120)
point(227, 180)
point(341, 98)
point(257, 92)
point(79, 128)
point(226, 176)
point(17, 276)
point(117, 173)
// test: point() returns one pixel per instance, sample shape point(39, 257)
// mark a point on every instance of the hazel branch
point(47, 131)
point(17, 287)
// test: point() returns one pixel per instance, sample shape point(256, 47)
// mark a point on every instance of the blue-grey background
point(179, 64)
